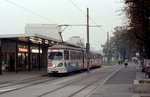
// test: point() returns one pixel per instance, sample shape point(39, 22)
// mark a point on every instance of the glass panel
point(66, 55)
point(55, 56)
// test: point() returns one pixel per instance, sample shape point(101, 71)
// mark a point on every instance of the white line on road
point(4, 85)
point(3, 90)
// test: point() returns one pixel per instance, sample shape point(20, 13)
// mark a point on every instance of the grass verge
point(109, 63)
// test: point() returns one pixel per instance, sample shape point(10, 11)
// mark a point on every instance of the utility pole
point(88, 44)
point(0, 57)
point(108, 47)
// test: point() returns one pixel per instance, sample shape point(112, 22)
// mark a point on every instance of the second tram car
point(65, 59)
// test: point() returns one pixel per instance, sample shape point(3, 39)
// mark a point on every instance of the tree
point(138, 13)
point(120, 45)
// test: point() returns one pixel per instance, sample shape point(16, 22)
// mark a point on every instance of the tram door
point(23, 61)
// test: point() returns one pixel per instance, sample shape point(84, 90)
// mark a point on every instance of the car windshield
point(55, 56)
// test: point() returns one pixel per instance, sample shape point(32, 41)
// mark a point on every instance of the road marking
point(4, 85)
point(3, 90)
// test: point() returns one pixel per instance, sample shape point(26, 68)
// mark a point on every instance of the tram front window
point(55, 56)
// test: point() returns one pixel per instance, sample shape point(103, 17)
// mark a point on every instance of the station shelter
point(24, 52)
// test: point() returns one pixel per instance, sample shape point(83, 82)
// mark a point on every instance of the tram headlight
point(54, 66)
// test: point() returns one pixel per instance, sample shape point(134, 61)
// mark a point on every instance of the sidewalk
point(140, 76)
point(139, 73)
point(121, 83)
point(10, 77)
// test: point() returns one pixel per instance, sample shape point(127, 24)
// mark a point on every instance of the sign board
point(35, 51)
point(23, 50)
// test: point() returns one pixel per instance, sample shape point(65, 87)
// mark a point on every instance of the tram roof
point(59, 46)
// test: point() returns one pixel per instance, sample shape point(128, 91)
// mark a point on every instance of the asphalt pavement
point(11, 77)
point(118, 85)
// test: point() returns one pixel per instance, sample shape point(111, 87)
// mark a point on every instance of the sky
point(102, 12)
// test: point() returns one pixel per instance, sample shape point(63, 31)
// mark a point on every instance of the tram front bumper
point(57, 70)
point(54, 71)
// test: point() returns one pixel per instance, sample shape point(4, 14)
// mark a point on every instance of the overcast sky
point(104, 12)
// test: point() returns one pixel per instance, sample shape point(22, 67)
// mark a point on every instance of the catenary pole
point(88, 44)
point(0, 57)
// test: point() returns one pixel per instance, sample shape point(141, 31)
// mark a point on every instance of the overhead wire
point(77, 7)
point(28, 10)
point(84, 13)
point(73, 31)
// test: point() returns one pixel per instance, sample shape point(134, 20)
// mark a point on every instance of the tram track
point(74, 82)
point(95, 81)
point(36, 81)
point(83, 80)
point(6, 88)
point(21, 81)
point(59, 88)
point(83, 88)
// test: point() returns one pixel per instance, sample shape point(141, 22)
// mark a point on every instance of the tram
point(64, 59)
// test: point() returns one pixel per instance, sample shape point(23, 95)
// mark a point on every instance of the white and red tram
point(65, 59)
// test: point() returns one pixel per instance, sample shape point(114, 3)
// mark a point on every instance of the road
point(118, 85)
point(77, 85)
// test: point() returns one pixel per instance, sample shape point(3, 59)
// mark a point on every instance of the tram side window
point(79, 55)
point(66, 55)
point(75, 55)
point(72, 54)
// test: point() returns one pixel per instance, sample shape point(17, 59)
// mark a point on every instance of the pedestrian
point(126, 63)
point(119, 62)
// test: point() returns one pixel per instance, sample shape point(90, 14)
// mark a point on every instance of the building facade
point(27, 51)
